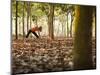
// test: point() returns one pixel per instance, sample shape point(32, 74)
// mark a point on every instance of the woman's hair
point(40, 28)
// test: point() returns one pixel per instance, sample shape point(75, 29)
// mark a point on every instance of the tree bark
point(23, 19)
point(94, 11)
point(28, 16)
point(50, 21)
point(16, 22)
point(83, 38)
point(67, 26)
point(71, 25)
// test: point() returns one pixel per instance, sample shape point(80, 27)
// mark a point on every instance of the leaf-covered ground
point(42, 55)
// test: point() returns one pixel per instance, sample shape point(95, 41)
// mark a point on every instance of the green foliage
point(40, 9)
point(13, 7)
point(20, 9)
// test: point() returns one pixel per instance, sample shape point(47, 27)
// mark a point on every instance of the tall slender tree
point(23, 19)
point(71, 24)
point(28, 3)
point(16, 22)
point(72, 13)
point(67, 26)
point(30, 7)
point(50, 21)
point(30, 16)
point(83, 38)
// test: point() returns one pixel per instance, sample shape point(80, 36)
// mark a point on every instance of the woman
point(33, 30)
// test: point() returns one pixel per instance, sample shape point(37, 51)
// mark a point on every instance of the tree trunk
point(30, 19)
point(94, 11)
point(83, 38)
point(28, 16)
point(36, 21)
point(71, 26)
point(67, 27)
point(63, 29)
point(16, 25)
point(50, 21)
point(23, 19)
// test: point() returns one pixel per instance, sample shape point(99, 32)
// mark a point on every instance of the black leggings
point(33, 33)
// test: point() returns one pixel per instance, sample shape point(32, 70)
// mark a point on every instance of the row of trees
point(83, 25)
point(20, 10)
point(33, 11)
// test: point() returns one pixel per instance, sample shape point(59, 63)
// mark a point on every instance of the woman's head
point(40, 28)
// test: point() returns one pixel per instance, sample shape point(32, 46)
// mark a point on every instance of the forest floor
point(41, 55)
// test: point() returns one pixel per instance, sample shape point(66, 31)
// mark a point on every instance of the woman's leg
point(35, 34)
point(28, 33)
